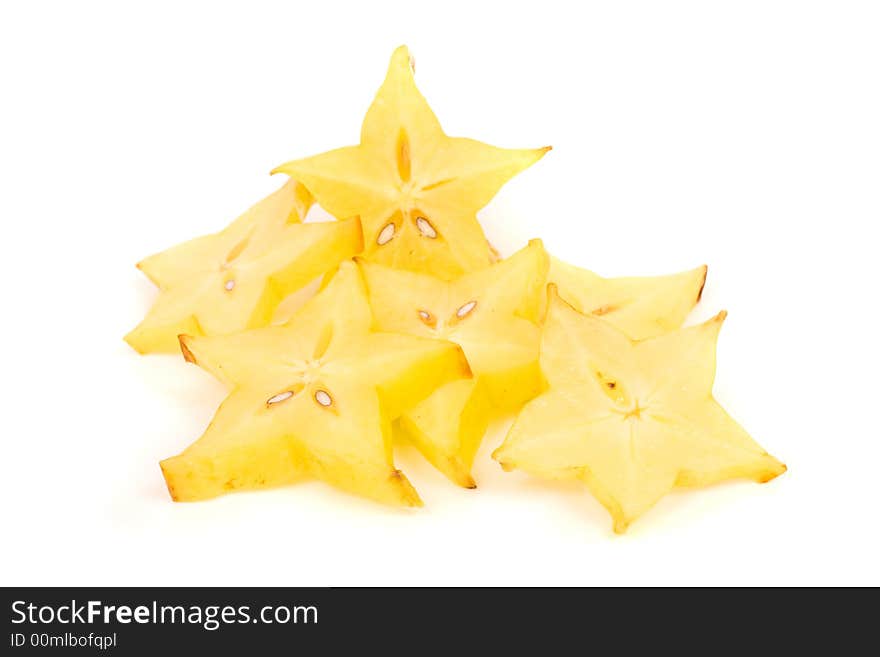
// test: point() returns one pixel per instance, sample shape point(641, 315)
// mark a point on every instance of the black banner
point(119, 621)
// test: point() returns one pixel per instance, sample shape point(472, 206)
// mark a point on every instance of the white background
point(745, 135)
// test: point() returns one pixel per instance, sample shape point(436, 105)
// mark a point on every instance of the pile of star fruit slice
point(420, 333)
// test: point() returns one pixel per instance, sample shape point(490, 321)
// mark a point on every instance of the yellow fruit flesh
point(448, 427)
point(416, 190)
point(232, 281)
point(492, 314)
point(632, 420)
point(621, 399)
point(258, 226)
point(312, 399)
point(640, 306)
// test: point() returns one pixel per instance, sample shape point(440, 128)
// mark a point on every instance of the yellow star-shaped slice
point(640, 306)
point(493, 315)
point(314, 398)
point(631, 419)
point(233, 280)
point(416, 190)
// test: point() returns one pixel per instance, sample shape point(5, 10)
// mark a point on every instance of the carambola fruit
point(233, 280)
point(314, 398)
point(428, 335)
point(416, 190)
point(630, 419)
point(640, 306)
point(493, 315)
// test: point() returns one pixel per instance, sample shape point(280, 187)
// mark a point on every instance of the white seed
point(466, 309)
point(229, 285)
point(323, 398)
point(425, 228)
point(280, 397)
point(427, 318)
point(386, 234)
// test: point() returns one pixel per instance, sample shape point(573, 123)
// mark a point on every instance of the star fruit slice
point(234, 279)
point(630, 419)
point(493, 314)
point(313, 399)
point(640, 306)
point(416, 190)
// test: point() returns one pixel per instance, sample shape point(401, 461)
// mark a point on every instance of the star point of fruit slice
point(448, 427)
point(492, 314)
point(416, 190)
point(233, 280)
point(314, 398)
point(287, 205)
point(640, 306)
point(631, 419)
